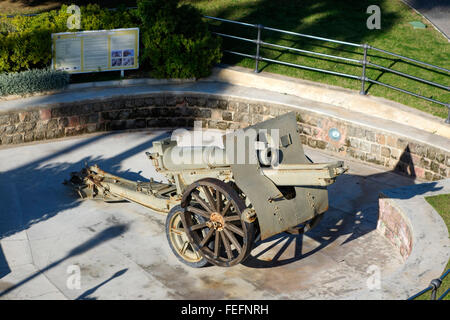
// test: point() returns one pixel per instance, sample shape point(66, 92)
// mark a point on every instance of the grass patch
point(341, 20)
point(441, 203)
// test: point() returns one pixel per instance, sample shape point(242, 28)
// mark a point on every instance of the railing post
point(448, 114)
point(363, 77)
point(258, 41)
point(435, 283)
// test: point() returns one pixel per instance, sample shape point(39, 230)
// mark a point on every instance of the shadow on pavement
point(26, 206)
point(353, 213)
point(105, 235)
point(353, 205)
point(87, 294)
point(4, 267)
point(22, 206)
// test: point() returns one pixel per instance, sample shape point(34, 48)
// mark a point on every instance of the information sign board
point(93, 51)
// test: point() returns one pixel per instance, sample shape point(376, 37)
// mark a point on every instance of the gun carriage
point(220, 201)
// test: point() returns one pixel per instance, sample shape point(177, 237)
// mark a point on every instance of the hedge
point(175, 41)
point(31, 81)
point(25, 41)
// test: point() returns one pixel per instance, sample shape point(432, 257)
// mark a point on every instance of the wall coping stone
point(341, 97)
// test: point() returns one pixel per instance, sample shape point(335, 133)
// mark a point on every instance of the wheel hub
point(225, 239)
point(216, 221)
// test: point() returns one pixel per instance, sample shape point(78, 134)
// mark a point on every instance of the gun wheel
point(228, 240)
point(179, 242)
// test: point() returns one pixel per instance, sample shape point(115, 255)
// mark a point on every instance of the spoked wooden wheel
point(228, 240)
point(178, 240)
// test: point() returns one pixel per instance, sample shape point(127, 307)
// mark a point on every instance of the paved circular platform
point(121, 250)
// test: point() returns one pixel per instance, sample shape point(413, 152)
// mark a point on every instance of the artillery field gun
point(220, 201)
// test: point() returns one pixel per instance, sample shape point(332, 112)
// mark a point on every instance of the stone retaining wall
point(393, 224)
point(169, 110)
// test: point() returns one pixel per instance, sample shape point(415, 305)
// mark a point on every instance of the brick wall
point(168, 110)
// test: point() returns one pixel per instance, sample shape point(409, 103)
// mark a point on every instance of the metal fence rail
point(364, 62)
point(434, 286)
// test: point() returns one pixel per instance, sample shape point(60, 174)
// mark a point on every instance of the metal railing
point(364, 62)
point(434, 286)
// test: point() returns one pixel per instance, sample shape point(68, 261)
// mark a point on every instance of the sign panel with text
point(96, 51)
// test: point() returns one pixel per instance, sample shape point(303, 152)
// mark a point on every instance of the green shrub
point(93, 17)
point(32, 81)
point(25, 42)
point(175, 41)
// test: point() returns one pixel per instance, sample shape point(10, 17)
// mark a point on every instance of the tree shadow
point(26, 207)
point(353, 202)
point(23, 206)
point(353, 213)
point(338, 20)
point(342, 20)
point(300, 54)
point(382, 72)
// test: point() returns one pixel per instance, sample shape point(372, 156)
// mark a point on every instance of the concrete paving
point(121, 248)
point(435, 11)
